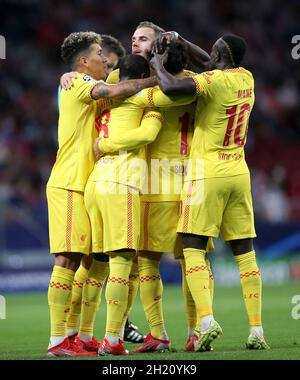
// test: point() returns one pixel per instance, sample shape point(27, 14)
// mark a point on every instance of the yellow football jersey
point(124, 164)
point(114, 77)
point(166, 155)
point(76, 134)
point(161, 178)
point(225, 101)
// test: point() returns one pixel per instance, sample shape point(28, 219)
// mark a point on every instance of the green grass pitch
point(24, 332)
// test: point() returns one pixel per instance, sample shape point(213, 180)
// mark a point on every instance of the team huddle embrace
point(150, 161)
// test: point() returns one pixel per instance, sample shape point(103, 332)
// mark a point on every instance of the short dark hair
point(148, 24)
point(77, 43)
point(177, 57)
point(113, 45)
point(234, 48)
point(134, 66)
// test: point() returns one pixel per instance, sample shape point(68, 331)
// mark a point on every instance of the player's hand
point(97, 152)
point(160, 45)
point(158, 60)
point(170, 36)
point(164, 40)
point(66, 80)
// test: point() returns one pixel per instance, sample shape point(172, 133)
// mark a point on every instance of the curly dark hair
point(76, 43)
point(134, 67)
point(177, 57)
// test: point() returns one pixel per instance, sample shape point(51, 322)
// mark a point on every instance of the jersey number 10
point(241, 122)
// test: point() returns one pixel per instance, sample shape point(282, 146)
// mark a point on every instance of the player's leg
point(158, 234)
point(193, 319)
point(64, 232)
point(238, 228)
point(129, 331)
point(59, 294)
point(80, 278)
point(250, 277)
point(189, 304)
point(198, 280)
point(116, 294)
point(91, 300)
point(200, 219)
point(151, 290)
point(121, 230)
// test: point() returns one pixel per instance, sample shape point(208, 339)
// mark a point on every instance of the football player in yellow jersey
point(69, 229)
point(113, 204)
point(217, 194)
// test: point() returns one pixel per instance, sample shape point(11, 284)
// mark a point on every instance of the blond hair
point(148, 24)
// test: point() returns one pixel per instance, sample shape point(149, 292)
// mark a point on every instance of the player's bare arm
point(168, 83)
point(198, 56)
point(122, 89)
point(66, 82)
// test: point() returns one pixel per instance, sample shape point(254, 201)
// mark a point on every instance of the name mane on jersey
point(246, 93)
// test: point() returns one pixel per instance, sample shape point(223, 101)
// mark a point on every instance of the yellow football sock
point(151, 291)
point(91, 296)
point(190, 307)
point(192, 318)
point(197, 276)
point(79, 279)
point(134, 284)
point(59, 298)
point(117, 289)
point(251, 285)
point(211, 280)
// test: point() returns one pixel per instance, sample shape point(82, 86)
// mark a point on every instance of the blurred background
point(29, 77)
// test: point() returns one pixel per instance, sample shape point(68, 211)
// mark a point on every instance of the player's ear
point(83, 60)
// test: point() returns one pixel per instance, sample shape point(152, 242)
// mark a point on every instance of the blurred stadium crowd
point(34, 31)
